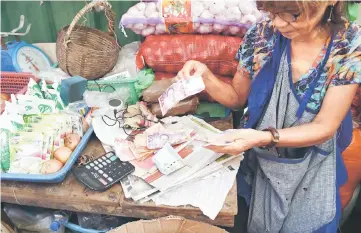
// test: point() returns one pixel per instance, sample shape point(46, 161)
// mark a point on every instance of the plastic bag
point(203, 95)
point(352, 159)
point(52, 75)
point(144, 79)
point(168, 53)
point(227, 17)
point(187, 106)
point(101, 99)
point(30, 219)
point(100, 222)
point(126, 60)
point(4, 150)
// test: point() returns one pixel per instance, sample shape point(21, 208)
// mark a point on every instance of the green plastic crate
point(115, 85)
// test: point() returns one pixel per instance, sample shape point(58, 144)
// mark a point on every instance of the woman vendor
point(298, 73)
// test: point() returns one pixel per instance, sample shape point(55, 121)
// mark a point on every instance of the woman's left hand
point(241, 140)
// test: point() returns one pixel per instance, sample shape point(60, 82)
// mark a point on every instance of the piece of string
point(120, 120)
point(15, 196)
point(104, 86)
point(112, 29)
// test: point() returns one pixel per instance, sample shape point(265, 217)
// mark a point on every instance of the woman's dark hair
point(338, 14)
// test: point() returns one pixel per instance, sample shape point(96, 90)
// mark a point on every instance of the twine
point(15, 195)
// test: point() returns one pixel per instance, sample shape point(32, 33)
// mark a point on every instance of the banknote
point(122, 149)
point(159, 139)
point(178, 91)
point(220, 139)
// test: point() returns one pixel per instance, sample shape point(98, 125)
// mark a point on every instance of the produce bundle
point(227, 17)
point(168, 53)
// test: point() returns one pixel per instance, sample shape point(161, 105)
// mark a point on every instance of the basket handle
point(109, 13)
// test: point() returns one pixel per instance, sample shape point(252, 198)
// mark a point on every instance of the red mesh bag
point(352, 159)
point(168, 53)
point(203, 95)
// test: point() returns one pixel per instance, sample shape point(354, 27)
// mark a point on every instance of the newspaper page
point(197, 193)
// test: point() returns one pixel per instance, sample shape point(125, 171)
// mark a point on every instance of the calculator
point(103, 172)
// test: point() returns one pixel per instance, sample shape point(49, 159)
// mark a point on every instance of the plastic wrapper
point(187, 106)
point(49, 134)
point(34, 89)
point(203, 95)
point(78, 107)
point(227, 17)
point(169, 53)
point(27, 104)
point(4, 150)
point(26, 144)
point(53, 94)
point(352, 159)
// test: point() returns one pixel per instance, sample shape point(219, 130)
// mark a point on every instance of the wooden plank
point(71, 195)
point(144, 210)
point(5, 228)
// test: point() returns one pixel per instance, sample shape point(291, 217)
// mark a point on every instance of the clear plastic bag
point(100, 222)
point(227, 17)
point(126, 60)
point(31, 219)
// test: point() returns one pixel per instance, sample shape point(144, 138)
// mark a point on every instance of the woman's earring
point(330, 16)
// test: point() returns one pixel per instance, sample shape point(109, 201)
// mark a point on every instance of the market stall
point(90, 126)
point(98, 106)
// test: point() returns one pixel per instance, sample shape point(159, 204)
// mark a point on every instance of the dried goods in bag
point(154, 91)
point(187, 106)
point(168, 53)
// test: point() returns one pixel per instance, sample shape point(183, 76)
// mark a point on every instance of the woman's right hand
point(193, 68)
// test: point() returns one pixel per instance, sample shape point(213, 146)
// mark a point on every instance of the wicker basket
point(85, 51)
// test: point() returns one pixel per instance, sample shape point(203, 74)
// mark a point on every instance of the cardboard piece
point(170, 224)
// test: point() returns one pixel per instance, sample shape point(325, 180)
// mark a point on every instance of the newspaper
point(136, 188)
point(211, 168)
point(180, 91)
point(207, 193)
point(194, 155)
point(205, 172)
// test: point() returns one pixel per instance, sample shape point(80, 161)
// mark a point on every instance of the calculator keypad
point(104, 171)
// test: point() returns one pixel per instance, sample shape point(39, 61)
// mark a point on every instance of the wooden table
point(73, 196)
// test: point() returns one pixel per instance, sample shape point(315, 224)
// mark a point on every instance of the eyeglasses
point(288, 17)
